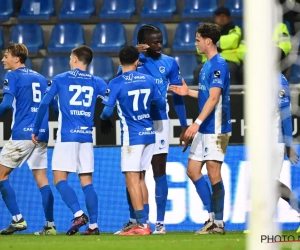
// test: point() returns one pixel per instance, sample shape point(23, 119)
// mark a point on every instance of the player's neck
point(210, 53)
point(128, 68)
point(18, 66)
point(79, 66)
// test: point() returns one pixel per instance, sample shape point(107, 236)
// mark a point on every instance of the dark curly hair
point(210, 30)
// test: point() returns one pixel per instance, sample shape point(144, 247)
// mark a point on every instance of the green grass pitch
point(170, 241)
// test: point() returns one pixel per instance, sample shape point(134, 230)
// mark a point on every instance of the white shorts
point(73, 157)
point(136, 158)
point(279, 156)
point(16, 152)
point(162, 136)
point(207, 147)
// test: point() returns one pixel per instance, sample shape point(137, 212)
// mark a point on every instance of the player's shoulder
point(167, 58)
point(218, 62)
point(283, 80)
point(61, 75)
point(98, 80)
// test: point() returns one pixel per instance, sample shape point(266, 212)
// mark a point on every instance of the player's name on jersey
point(80, 113)
point(140, 117)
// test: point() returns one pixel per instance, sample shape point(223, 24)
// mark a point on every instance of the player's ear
point(136, 63)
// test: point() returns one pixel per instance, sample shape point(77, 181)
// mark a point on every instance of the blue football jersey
point(165, 71)
point(133, 93)
point(27, 87)
point(77, 94)
point(215, 73)
point(284, 101)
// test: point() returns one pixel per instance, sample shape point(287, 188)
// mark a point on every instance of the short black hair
point(222, 10)
point(145, 30)
point(84, 54)
point(210, 30)
point(128, 55)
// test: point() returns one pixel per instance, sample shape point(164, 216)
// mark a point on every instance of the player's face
point(9, 61)
point(200, 43)
point(155, 45)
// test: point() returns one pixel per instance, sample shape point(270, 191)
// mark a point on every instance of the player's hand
point(105, 126)
point(142, 47)
point(183, 139)
point(180, 90)
point(191, 131)
point(34, 139)
point(292, 155)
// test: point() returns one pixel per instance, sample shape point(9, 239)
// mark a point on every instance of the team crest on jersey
point(217, 73)
point(107, 92)
point(203, 76)
point(281, 93)
point(162, 69)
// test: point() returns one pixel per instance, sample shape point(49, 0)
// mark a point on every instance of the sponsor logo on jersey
point(147, 131)
point(30, 128)
point(159, 80)
point(131, 78)
point(217, 80)
point(202, 87)
point(34, 109)
point(76, 73)
point(81, 130)
point(128, 77)
point(283, 100)
point(80, 113)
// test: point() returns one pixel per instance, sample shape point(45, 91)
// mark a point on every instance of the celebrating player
point(23, 90)
point(211, 130)
point(133, 93)
point(77, 92)
point(165, 71)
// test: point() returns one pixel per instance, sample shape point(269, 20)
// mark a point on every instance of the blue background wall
point(185, 211)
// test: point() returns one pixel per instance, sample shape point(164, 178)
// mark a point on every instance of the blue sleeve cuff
point(106, 113)
point(180, 109)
